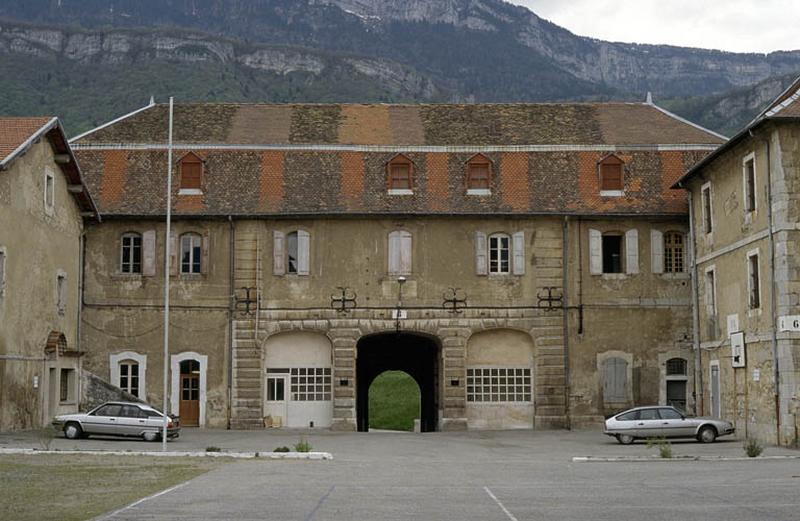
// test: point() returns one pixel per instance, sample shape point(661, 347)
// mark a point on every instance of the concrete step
point(246, 412)
point(247, 424)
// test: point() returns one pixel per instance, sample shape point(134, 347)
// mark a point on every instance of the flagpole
point(167, 257)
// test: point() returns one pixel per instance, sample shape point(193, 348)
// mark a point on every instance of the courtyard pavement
point(510, 475)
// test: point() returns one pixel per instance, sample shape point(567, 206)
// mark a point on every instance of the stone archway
point(413, 353)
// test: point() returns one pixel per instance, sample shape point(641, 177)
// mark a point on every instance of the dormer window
point(611, 170)
point(400, 173)
point(191, 172)
point(479, 175)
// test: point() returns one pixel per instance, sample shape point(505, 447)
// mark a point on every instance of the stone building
point(745, 214)
point(525, 263)
point(43, 203)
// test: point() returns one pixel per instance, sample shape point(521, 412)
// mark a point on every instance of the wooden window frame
point(622, 253)
point(707, 209)
point(129, 388)
point(192, 236)
point(495, 264)
point(476, 161)
point(618, 188)
point(195, 187)
point(407, 187)
point(674, 254)
point(753, 280)
point(749, 180)
point(131, 268)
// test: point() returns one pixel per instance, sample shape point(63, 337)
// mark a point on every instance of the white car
point(664, 422)
point(118, 419)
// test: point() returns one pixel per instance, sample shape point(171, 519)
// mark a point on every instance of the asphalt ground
point(517, 475)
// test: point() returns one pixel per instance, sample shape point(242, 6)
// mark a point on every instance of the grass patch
point(73, 487)
point(394, 402)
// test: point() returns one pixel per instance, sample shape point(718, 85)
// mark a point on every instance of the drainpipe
point(231, 304)
point(772, 296)
point(79, 329)
point(698, 356)
point(565, 314)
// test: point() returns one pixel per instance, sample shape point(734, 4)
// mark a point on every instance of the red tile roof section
point(112, 186)
point(514, 180)
point(15, 131)
point(271, 187)
point(352, 183)
point(437, 167)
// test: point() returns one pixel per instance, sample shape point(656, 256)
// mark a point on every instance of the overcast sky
point(731, 25)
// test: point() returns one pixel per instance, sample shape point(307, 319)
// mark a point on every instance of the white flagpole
point(167, 241)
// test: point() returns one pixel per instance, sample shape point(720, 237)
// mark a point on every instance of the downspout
point(231, 304)
point(79, 329)
point(565, 315)
point(772, 296)
point(699, 408)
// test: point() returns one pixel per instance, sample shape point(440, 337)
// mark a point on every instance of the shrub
point(302, 446)
point(45, 436)
point(213, 449)
point(282, 449)
point(664, 447)
point(752, 447)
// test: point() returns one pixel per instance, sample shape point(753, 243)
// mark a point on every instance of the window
point(291, 252)
point(191, 253)
point(66, 385)
point(311, 384)
point(109, 410)
point(669, 414)
point(610, 170)
point(499, 253)
point(754, 282)
point(711, 292)
point(479, 175)
point(275, 389)
point(615, 380)
point(749, 166)
point(49, 191)
point(628, 416)
point(131, 256)
point(61, 288)
point(499, 384)
point(400, 253)
point(673, 252)
point(612, 253)
point(129, 377)
point(676, 367)
point(705, 195)
point(676, 382)
point(191, 167)
point(400, 172)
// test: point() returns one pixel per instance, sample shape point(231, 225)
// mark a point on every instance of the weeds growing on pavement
point(664, 447)
point(302, 446)
point(752, 447)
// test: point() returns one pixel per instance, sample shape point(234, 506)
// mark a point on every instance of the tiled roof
point(18, 134)
point(305, 183)
point(15, 131)
point(406, 125)
point(331, 159)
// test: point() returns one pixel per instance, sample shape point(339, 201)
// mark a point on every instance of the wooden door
point(190, 393)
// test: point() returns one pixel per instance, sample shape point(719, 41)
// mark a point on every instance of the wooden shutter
point(518, 253)
point(303, 252)
point(149, 253)
point(615, 378)
point(204, 267)
point(191, 173)
point(394, 253)
point(632, 252)
point(278, 255)
point(481, 253)
point(174, 253)
point(657, 250)
point(595, 252)
point(405, 253)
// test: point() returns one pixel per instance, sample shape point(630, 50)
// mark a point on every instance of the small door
point(276, 403)
point(676, 394)
point(190, 393)
point(715, 409)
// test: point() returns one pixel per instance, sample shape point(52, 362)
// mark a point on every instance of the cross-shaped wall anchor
point(454, 300)
point(547, 300)
point(345, 302)
point(245, 302)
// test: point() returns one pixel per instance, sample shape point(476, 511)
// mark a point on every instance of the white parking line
point(139, 502)
point(505, 510)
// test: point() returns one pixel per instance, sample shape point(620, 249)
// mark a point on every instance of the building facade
point(43, 203)
point(745, 234)
point(527, 265)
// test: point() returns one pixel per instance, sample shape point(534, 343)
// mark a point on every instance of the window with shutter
point(191, 253)
point(657, 251)
point(278, 253)
point(749, 172)
point(632, 252)
point(518, 246)
point(399, 254)
point(291, 252)
point(615, 380)
point(595, 252)
point(754, 281)
point(479, 175)
point(611, 170)
point(303, 252)
point(705, 196)
point(612, 252)
point(499, 254)
point(149, 253)
point(674, 252)
point(191, 170)
point(400, 174)
point(131, 254)
point(481, 264)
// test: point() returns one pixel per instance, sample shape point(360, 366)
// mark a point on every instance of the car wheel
point(625, 439)
point(73, 431)
point(150, 436)
point(707, 434)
